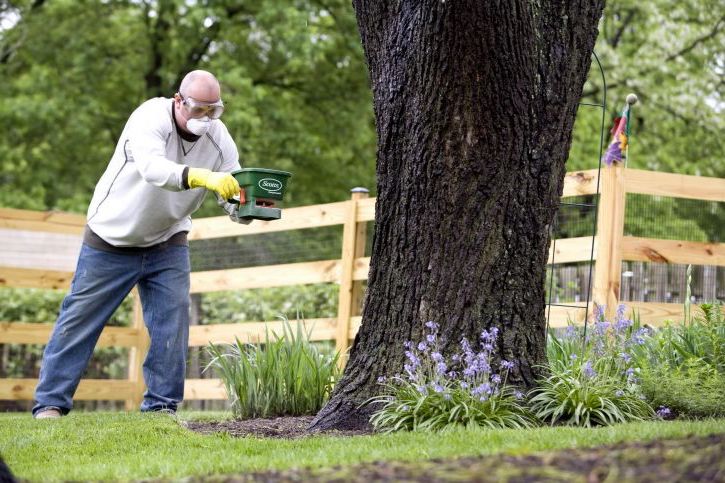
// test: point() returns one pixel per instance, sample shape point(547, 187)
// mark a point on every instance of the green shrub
point(29, 305)
point(437, 393)
point(683, 366)
point(314, 301)
point(692, 390)
point(285, 376)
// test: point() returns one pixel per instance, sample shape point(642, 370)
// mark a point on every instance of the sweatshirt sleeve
point(147, 131)
point(230, 154)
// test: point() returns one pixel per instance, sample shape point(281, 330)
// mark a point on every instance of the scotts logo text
point(271, 185)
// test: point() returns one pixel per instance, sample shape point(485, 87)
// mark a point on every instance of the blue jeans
point(101, 281)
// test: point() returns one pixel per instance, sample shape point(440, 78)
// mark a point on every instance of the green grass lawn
point(125, 446)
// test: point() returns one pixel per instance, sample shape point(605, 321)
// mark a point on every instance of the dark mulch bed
point(691, 459)
point(284, 427)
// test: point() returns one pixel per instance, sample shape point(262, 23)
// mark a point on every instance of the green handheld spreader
point(263, 189)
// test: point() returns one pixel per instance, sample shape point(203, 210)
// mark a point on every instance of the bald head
point(201, 86)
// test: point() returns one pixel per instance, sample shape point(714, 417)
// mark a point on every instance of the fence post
point(353, 246)
point(137, 354)
point(610, 230)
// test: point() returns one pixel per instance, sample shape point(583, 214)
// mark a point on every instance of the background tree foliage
point(671, 55)
point(292, 75)
point(295, 84)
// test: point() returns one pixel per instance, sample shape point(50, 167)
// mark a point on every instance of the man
point(136, 232)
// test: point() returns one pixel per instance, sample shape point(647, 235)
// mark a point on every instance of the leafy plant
point(683, 366)
point(285, 376)
point(437, 393)
point(593, 380)
point(580, 396)
point(692, 390)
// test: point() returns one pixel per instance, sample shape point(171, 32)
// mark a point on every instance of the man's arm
point(146, 133)
point(148, 130)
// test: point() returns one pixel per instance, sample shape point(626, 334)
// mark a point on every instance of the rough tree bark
point(474, 105)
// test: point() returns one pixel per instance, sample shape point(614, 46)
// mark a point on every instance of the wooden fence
point(350, 270)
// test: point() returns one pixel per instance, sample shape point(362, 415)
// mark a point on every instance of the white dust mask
point(198, 126)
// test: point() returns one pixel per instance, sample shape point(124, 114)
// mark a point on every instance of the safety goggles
point(198, 109)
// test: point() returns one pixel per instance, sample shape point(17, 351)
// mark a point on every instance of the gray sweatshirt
point(141, 199)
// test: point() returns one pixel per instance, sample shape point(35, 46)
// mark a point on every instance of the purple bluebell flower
point(431, 338)
point(464, 385)
point(408, 344)
point(588, 370)
point(441, 367)
point(452, 374)
point(507, 365)
point(625, 357)
point(484, 388)
point(599, 312)
point(619, 393)
point(496, 379)
point(431, 325)
point(622, 324)
point(599, 347)
point(570, 332)
point(421, 389)
point(518, 395)
point(573, 357)
point(664, 412)
point(437, 387)
point(456, 357)
point(620, 311)
point(639, 336)
point(487, 347)
point(413, 359)
point(382, 379)
point(487, 336)
point(466, 346)
point(436, 356)
point(422, 347)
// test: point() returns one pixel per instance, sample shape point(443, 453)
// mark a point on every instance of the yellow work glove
point(222, 183)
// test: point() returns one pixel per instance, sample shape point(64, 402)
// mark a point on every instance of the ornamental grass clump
point(593, 381)
point(436, 392)
point(287, 376)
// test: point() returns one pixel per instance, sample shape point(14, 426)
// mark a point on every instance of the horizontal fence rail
point(611, 247)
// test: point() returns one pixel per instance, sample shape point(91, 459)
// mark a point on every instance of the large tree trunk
point(474, 103)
